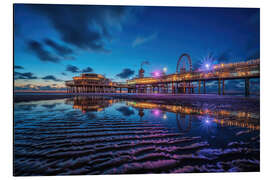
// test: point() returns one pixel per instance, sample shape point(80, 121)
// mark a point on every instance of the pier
point(183, 81)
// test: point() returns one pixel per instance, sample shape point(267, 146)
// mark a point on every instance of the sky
point(53, 43)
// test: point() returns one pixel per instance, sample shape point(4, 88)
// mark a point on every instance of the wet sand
point(27, 97)
point(221, 102)
point(127, 136)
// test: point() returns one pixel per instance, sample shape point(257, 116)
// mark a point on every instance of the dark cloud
point(126, 73)
point(51, 77)
point(44, 55)
point(27, 75)
point(64, 74)
point(224, 56)
point(88, 69)
point(73, 69)
point(18, 67)
point(59, 49)
point(87, 27)
point(125, 111)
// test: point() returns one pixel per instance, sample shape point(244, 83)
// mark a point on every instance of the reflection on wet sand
point(92, 103)
point(222, 117)
point(97, 135)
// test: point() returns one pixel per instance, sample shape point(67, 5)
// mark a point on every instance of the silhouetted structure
point(183, 81)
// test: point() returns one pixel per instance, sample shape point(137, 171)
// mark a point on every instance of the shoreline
point(220, 101)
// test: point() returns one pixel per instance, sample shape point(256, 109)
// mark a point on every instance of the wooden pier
point(181, 82)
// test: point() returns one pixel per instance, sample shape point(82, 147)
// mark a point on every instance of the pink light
point(156, 112)
point(156, 74)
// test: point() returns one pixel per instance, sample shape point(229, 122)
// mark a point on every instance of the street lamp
point(207, 66)
point(165, 69)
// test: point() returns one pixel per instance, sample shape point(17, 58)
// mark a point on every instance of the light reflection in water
point(97, 135)
point(240, 119)
point(222, 117)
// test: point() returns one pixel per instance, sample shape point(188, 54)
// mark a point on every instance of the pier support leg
point(223, 86)
point(184, 87)
point(189, 87)
point(204, 89)
point(218, 86)
point(247, 87)
point(199, 88)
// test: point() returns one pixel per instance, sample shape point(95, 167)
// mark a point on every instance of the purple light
point(156, 74)
point(207, 66)
point(156, 112)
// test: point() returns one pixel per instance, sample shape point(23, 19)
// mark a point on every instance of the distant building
point(90, 82)
point(141, 73)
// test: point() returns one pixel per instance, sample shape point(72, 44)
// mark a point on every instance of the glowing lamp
point(164, 116)
point(165, 69)
point(156, 112)
point(156, 74)
point(207, 66)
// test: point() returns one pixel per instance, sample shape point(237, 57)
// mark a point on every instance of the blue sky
point(114, 40)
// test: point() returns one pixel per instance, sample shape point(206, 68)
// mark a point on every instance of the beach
point(225, 101)
point(79, 134)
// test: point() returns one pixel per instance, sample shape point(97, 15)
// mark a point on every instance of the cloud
point(18, 67)
point(73, 69)
point(59, 49)
point(51, 77)
point(64, 74)
point(126, 73)
point(224, 56)
point(145, 62)
point(87, 27)
point(44, 55)
point(88, 69)
point(141, 40)
point(34, 87)
point(28, 75)
point(125, 111)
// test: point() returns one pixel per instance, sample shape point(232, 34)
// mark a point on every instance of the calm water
point(94, 135)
